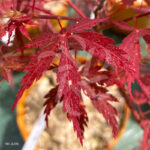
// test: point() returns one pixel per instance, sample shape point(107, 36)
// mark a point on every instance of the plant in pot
point(58, 50)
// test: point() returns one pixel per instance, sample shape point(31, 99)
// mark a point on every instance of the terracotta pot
point(23, 127)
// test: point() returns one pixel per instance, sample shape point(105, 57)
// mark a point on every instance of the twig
point(60, 25)
point(137, 16)
point(76, 9)
point(99, 8)
point(33, 6)
point(55, 17)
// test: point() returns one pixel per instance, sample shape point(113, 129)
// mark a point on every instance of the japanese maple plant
point(124, 65)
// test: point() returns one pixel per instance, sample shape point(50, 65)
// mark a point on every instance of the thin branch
point(40, 9)
point(99, 8)
point(76, 9)
point(55, 17)
point(137, 16)
point(60, 25)
point(33, 6)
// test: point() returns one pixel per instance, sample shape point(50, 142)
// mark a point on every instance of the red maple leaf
point(19, 23)
point(68, 76)
point(51, 102)
point(102, 48)
point(92, 71)
point(124, 62)
point(131, 45)
point(69, 88)
point(100, 99)
point(98, 94)
point(39, 64)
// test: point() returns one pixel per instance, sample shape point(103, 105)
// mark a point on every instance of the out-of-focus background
point(10, 138)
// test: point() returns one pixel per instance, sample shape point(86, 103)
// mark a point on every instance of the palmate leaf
point(69, 88)
point(98, 94)
point(19, 24)
point(6, 74)
point(51, 102)
point(39, 64)
point(68, 75)
point(100, 99)
point(67, 71)
point(40, 41)
point(131, 45)
point(125, 60)
point(92, 71)
point(102, 48)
